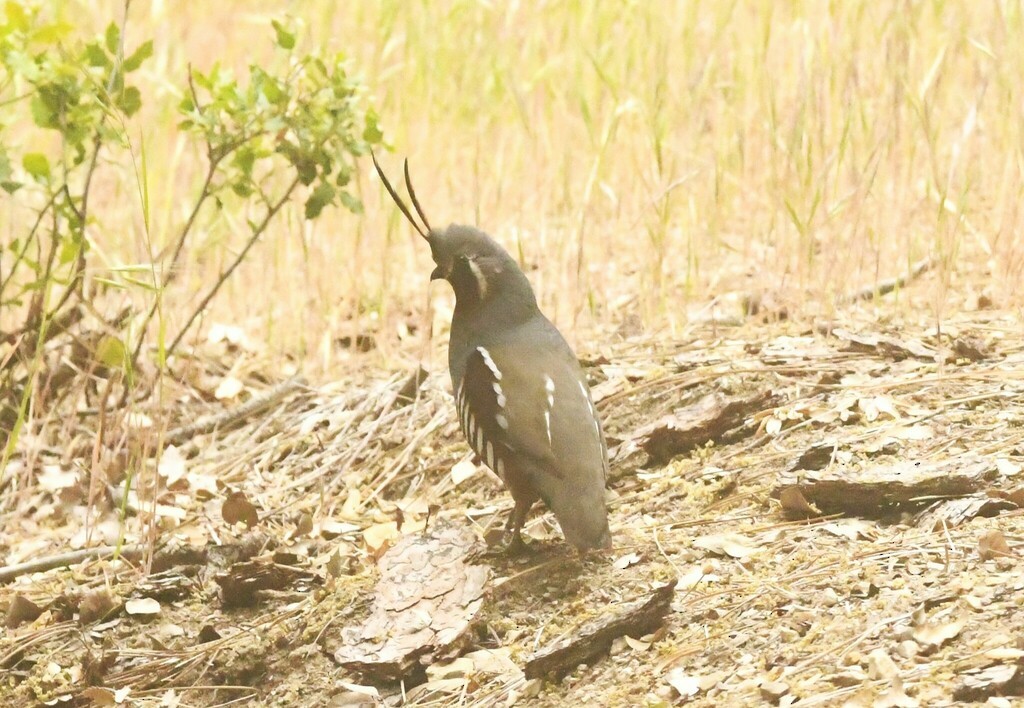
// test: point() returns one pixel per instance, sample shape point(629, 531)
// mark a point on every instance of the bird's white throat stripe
point(549, 387)
point(500, 394)
point(490, 363)
point(481, 281)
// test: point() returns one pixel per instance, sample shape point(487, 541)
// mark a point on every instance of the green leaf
point(111, 352)
point(144, 52)
point(320, 198)
point(351, 203)
point(36, 164)
point(372, 132)
point(245, 159)
point(95, 56)
point(112, 37)
point(69, 250)
point(16, 15)
point(285, 39)
point(129, 101)
point(52, 33)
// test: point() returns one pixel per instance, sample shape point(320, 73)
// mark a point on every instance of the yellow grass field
point(642, 157)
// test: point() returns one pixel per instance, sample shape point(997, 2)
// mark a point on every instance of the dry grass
point(641, 157)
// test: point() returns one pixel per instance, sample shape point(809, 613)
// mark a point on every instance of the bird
point(522, 398)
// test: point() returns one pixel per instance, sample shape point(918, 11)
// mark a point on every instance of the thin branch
point(231, 418)
point(887, 286)
point(77, 282)
point(257, 232)
point(62, 560)
point(28, 239)
point(36, 310)
point(204, 194)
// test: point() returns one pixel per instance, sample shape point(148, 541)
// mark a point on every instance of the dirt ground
point(839, 505)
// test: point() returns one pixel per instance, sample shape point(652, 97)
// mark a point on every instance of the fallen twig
point(62, 560)
point(887, 286)
point(230, 418)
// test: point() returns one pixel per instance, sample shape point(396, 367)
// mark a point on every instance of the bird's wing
point(512, 401)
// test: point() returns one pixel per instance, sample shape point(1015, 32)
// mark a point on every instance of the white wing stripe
point(490, 362)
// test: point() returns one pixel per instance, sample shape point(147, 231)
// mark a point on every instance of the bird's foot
point(516, 546)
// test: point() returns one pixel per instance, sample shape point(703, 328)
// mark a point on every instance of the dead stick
point(230, 418)
point(62, 560)
point(887, 286)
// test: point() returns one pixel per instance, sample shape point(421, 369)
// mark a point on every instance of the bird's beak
point(438, 274)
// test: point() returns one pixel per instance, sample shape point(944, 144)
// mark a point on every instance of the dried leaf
point(238, 508)
point(773, 691)
point(54, 479)
point(885, 346)
point(1007, 468)
point(895, 697)
point(100, 696)
point(96, 604)
point(352, 509)
point(463, 470)
point(684, 684)
point(795, 506)
point(142, 606)
point(992, 544)
point(22, 610)
point(379, 537)
point(881, 665)
point(360, 689)
point(935, 634)
point(203, 486)
point(171, 466)
point(623, 562)
point(228, 388)
point(876, 406)
point(331, 529)
point(911, 432)
point(637, 644)
point(695, 576)
point(729, 544)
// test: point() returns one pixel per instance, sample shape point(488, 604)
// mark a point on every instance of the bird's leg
point(514, 525)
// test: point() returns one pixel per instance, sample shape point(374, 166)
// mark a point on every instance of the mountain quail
point(522, 398)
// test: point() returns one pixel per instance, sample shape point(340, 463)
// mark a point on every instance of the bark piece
point(997, 680)
point(410, 389)
point(816, 457)
point(426, 598)
point(240, 584)
point(708, 419)
point(635, 619)
point(879, 490)
point(953, 512)
point(885, 346)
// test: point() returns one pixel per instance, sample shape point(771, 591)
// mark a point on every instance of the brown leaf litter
point(840, 514)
